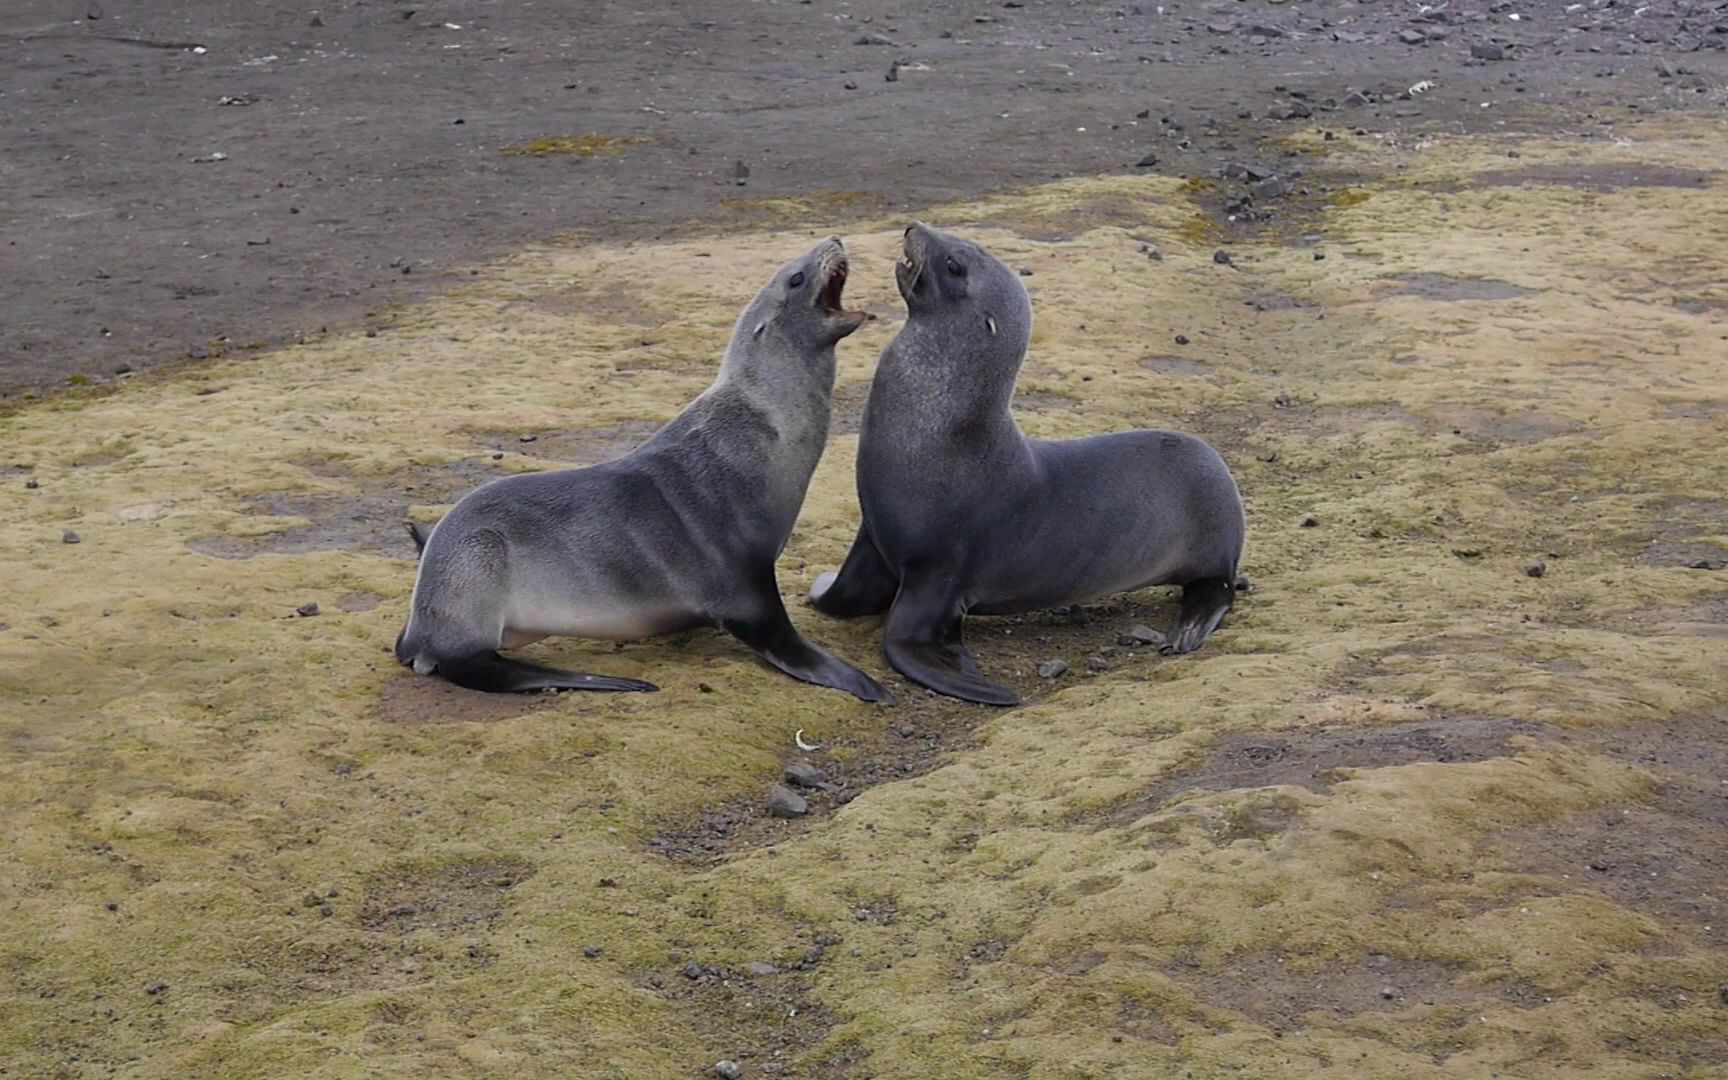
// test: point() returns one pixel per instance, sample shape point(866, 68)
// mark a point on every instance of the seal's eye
point(795, 280)
point(955, 268)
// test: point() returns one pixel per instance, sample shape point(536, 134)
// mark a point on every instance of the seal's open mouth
point(835, 288)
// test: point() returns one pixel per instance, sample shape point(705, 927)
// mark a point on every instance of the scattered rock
point(1270, 188)
point(804, 774)
point(1268, 456)
point(873, 39)
point(907, 731)
point(1140, 634)
point(315, 21)
point(740, 173)
point(759, 969)
point(1535, 569)
point(1412, 37)
point(591, 951)
point(728, 1069)
point(1289, 110)
point(1097, 663)
point(1388, 993)
point(850, 85)
point(1309, 521)
point(893, 72)
point(783, 802)
point(1483, 51)
point(1181, 339)
point(155, 988)
point(1221, 257)
point(1052, 669)
point(67, 537)
point(1146, 162)
point(1025, 272)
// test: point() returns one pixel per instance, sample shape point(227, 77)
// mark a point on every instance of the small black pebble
point(31, 485)
point(1025, 273)
point(591, 951)
point(70, 537)
point(1309, 521)
point(1319, 255)
point(1181, 339)
point(1221, 257)
point(1535, 569)
point(112, 906)
point(308, 609)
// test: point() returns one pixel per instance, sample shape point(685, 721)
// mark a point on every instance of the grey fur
point(964, 514)
point(683, 531)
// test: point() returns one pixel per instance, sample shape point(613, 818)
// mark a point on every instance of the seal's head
point(944, 277)
point(803, 301)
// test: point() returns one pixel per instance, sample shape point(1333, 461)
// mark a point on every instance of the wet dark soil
point(189, 180)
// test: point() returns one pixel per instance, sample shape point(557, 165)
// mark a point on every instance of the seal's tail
point(495, 674)
point(420, 538)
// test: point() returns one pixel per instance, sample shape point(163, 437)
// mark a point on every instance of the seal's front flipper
point(770, 632)
point(924, 644)
point(864, 585)
point(486, 670)
point(1204, 603)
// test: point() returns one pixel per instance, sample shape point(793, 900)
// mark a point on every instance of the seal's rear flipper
point(924, 643)
point(1204, 603)
point(496, 674)
point(420, 538)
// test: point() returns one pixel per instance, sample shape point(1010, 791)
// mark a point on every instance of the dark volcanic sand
point(367, 166)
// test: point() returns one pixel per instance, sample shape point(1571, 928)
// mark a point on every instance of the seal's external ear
point(990, 324)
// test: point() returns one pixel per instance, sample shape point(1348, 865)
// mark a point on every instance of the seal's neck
point(931, 388)
point(791, 383)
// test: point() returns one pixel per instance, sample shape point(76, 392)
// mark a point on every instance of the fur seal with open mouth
point(964, 514)
point(681, 532)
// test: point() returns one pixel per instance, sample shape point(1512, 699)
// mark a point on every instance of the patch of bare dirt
point(763, 1020)
point(1445, 288)
point(368, 518)
point(1088, 642)
point(1594, 177)
point(1290, 996)
point(442, 897)
point(1175, 365)
point(1311, 758)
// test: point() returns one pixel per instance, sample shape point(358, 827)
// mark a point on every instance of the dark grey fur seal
point(681, 532)
point(964, 514)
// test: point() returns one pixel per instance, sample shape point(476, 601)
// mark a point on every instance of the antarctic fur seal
point(964, 514)
point(681, 532)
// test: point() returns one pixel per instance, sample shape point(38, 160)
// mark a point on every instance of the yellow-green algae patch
point(242, 842)
point(576, 145)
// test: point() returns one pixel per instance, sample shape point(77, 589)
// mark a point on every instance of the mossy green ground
point(338, 870)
